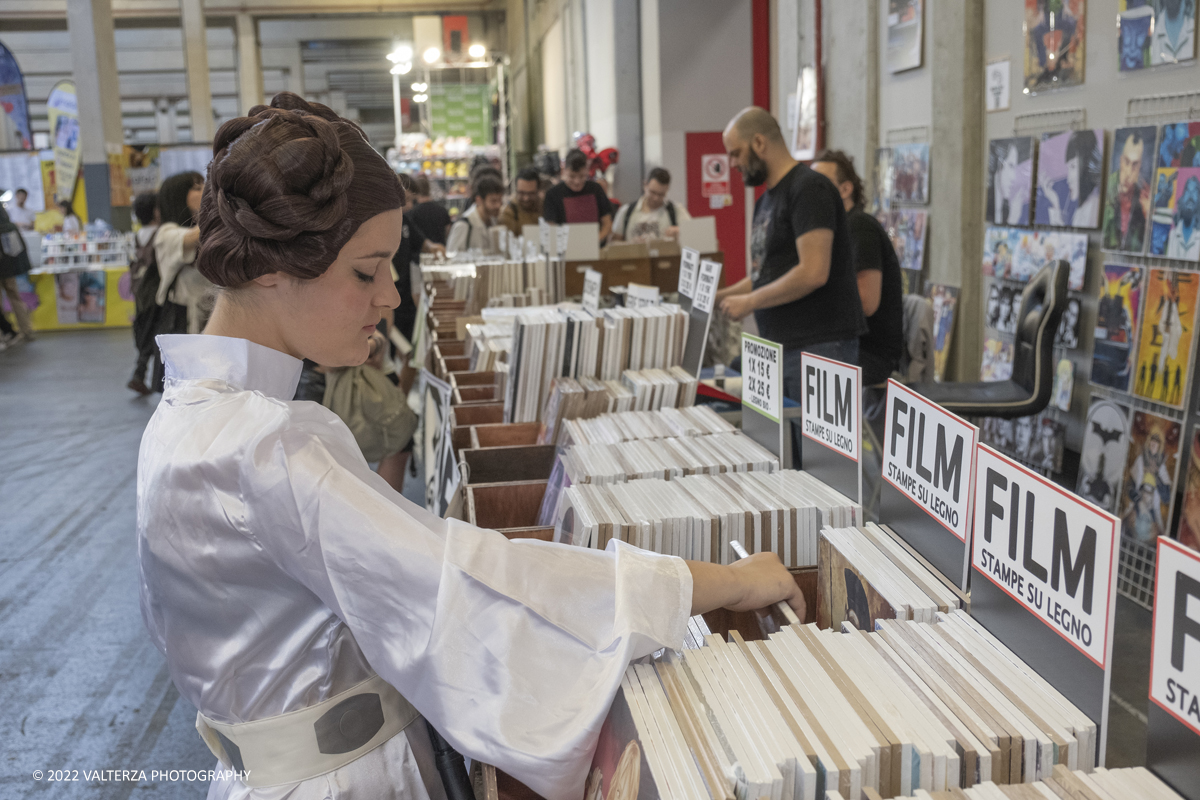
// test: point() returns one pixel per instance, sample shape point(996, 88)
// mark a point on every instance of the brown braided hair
point(288, 186)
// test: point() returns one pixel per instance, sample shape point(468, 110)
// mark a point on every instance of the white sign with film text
point(689, 266)
point(707, 280)
point(1048, 549)
point(929, 456)
point(1175, 648)
point(592, 280)
point(762, 375)
point(831, 411)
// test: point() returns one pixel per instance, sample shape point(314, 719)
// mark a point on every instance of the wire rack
point(1163, 108)
point(1135, 573)
point(910, 135)
point(1063, 119)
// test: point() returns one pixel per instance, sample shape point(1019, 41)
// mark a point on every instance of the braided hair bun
point(288, 186)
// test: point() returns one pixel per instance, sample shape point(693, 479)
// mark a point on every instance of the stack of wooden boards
point(664, 423)
point(698, 517)
point(639, 390)
point(496, 279)
point(867, 574)
point(1065, 784)
point(554, 342)
point(666, 458)
point(912, 707)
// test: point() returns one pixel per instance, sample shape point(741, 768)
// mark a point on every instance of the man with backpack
point(14, 261)
point(653, 216)
point(144, 272)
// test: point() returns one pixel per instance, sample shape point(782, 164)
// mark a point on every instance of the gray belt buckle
point(350, 724)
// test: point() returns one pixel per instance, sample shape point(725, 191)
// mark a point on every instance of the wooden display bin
point(462, 379)
point(446, 348)
point(480, 414)
point(474, 394)
point(664, 273)
point(456, 364)
point(613, 272)
point(505, 435)
point(505, 506)
point(504, 464)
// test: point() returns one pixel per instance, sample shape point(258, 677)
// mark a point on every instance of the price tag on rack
point(639, 296)
point(592, 281)
point(544, 234)
point(706, 286)
point(563, 236)
point(516, 247)
point(689, 266)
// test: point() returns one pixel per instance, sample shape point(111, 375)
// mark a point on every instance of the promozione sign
point(831, 412)
point(929, 457)
point(762, 364)
point(1175, 648)
point(1048, 549)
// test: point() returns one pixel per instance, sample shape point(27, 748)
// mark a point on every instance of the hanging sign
point(831, 415)
point(62, 110)
point(929, 473)
point(706, 286)
point(762, 392)
point(689, 266)
point(13, 100)
point(704, 281)
point(1173, 727)
point(592, 281)
point(1045, 579)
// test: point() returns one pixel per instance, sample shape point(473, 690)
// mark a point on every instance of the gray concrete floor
point(81, 686)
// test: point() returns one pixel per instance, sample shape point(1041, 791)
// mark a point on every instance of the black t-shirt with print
point(873, 250)
point(804, 201)
point(565, 207)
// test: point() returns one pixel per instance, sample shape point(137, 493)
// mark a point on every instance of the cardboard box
point(625, 250)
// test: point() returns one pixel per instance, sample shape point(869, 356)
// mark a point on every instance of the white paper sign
point(706, 286)
point(531, 251)
point(762, 375)
point(689, 266)
point(929, 456)
point(544, 234)
point(831, 411)
point(564, 236)
point(1175, 652)
point(1048, 549)
point(639, 296)
point(501, 238)
point(592, 280)
point(516, 247)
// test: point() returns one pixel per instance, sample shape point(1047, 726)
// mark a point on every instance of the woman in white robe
point(278, 571)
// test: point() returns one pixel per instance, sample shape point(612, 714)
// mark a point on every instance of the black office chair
point(1028, 391)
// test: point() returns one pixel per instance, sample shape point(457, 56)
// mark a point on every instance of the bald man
point(801, 287)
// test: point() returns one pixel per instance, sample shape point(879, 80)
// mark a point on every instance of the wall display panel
point(1070, 174)
point(1105, 446)
point(1116, 326)
point(1017, 254)
point(1167, 336)
point(1127, 204)
point(1010, 180)
point(910, 170)
point(1148, 484)
point(1175, 220)
point(1054, 43)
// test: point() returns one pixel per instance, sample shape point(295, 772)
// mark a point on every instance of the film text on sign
point(929, 455)
point(1046, 548)
point(831, 404)
point(1175, 653)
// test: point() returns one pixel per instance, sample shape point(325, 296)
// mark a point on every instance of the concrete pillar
point(957, 172)
point(652, 154)
point(164, 121)
point(94, 68)
point(295, 68)
point(614, 87)
point(195, 50)
point(249, 64)
point(851, 52)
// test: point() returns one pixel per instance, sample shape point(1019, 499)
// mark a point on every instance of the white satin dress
point(277, 571)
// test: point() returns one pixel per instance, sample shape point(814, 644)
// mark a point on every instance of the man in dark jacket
point(14, 261)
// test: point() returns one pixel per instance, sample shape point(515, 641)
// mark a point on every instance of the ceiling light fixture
point(432, 55)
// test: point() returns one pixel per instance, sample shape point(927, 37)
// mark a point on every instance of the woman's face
point(1008, 172)
point(330, 319)
point(193, 198)
point(1073, 178)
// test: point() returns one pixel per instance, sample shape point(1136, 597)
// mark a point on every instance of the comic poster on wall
point(1017, 254)
point(1116, 326)
point(1166, 337)
point(1148, 484)
point(1010, 180)
point(944, 298)
point(1064, 384)
point(1054, 43)
point(1127, 204)
point(1003, 303)
point(1155, 32)
point(907, 228)
point(910, 171)
point(1102, 456)
point(905, 31)
point(997, 363)
point(1067, 335)
point(1189, 513)
point(1175, 219)
point(881, 185)
point(1070, 174)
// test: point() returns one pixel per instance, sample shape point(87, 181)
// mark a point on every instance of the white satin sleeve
point(514, 650)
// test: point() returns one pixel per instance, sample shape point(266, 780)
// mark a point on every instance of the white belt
point(312, 741)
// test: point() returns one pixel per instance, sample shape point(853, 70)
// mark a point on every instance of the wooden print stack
point(585, 398)
point(666, 458)
point(665, 423)
point(1065, 784)
point(699, 516)
point(914, 708)
point(513, 283)
point(661, 388)
point(865, 575)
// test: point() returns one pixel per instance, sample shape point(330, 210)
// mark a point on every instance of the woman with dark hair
point(308, 610)
point(70, 223)
point(1081, 206)
point(175, 247)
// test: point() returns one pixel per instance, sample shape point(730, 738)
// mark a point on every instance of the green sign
point(461, 110)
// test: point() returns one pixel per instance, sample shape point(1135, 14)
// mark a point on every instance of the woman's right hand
point(751, 584)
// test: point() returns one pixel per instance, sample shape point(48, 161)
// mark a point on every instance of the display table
point(83, 298)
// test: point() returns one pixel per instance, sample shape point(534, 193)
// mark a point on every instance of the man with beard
point(1125, 217)
point(801, 284)
point(1184, 240)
